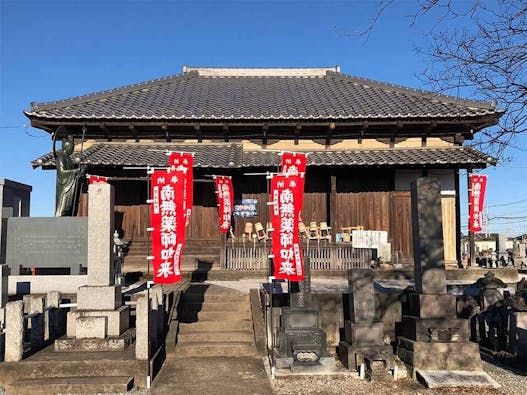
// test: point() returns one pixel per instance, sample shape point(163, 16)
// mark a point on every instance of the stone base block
point(117, 320)
point(99, 298)
point(430, 306)
point(439, 356)
point(442, 330)
point(111, 343)
point(456, 379)
point(364, 334)
point(90, 327)
point(353, 356)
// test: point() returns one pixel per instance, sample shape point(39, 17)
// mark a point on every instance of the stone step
point(71, 385)
point(191, 316)
point(198, 297)
point(216, 306)
point(210, 326)
point(221, 336)
point(216, 349)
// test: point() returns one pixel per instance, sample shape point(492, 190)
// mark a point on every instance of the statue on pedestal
point(68, 180)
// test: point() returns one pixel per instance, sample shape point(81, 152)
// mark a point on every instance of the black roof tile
point(232, 155)
point(199, 95)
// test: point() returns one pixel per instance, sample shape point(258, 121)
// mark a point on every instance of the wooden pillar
point(458, 219)
point(333, 204)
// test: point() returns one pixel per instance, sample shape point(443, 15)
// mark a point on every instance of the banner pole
point(471, 241)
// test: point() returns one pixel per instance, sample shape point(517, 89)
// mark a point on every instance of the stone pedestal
point(101, 320)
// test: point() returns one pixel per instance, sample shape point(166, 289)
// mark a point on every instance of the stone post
point(427, 224)
point(142, 332)
point(100, 235)
point(53, 324)
point(14, 347)
point(36, 307)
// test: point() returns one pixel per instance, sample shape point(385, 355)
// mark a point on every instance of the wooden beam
point(225, 128)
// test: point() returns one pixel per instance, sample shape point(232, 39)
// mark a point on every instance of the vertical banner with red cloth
point(225, 196)
point(167, 218)
point(294, 164)
point(286, 249)
point(478, 184)
point(96, 179)
point(183, 162)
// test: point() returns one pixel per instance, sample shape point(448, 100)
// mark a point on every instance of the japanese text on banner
point(294, 164)
point(478, 184)
point(167, 220)
point(286, 249)
point(183, 162)
point(225, 196)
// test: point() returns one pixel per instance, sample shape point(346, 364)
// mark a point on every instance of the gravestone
point(101, 321)
point(430, 337)
point(54, 242)
point(364, 335)
point(302, 345)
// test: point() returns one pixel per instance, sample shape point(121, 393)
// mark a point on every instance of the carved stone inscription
point(46, 242)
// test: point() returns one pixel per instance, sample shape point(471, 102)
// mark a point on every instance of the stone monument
point(101, 320)
point(14, 202)
point(430, 337)
point(364, 335)
point(302, 345)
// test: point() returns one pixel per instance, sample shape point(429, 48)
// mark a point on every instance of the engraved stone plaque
point(54, 242)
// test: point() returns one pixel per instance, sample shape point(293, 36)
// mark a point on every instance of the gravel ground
point(511, 383)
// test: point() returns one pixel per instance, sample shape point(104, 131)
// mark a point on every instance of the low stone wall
point(333, 310)
point(25, 285)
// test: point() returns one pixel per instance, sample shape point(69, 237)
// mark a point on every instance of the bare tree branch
point(481, 47)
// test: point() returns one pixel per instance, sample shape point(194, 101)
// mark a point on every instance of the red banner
point(225, 196)
point(184, 162)
point(167, 219)
point(478, 184)
point(294, 164)
point(96, 179)
point(286, 249)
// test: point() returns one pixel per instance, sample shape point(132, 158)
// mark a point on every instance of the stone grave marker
point(430, 337)
point(364, 336)
point(302, 345)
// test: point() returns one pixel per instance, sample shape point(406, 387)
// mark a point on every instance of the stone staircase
point(204, 250)
point(49, 372)
point(215, 322)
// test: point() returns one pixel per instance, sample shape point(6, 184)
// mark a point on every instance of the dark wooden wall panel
point(387, 211)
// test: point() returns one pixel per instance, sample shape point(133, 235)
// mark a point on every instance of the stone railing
point(37, 319)
point(323, 257)
point(153, 322)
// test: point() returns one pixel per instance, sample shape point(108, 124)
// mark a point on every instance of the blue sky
point(52, 50)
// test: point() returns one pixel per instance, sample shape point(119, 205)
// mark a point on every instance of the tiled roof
point(232, 155)
point(261, 94)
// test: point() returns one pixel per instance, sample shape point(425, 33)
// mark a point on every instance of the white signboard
point(368, 238)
